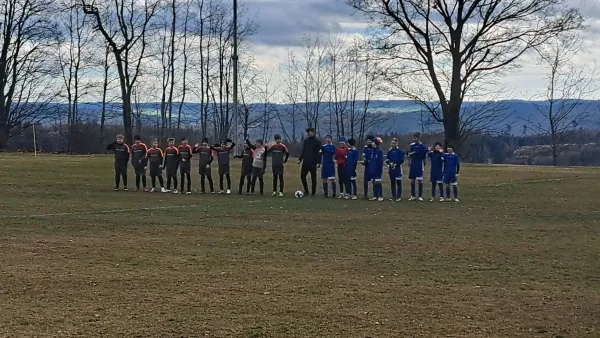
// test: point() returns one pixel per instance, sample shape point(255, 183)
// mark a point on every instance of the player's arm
point(231, 144)
point(287, 154)
point(457, 165)
point(252, 146)
point(111, 146)
point(319, 158)
point(128, 152)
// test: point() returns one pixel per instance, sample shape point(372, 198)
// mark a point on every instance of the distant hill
point(403, 115)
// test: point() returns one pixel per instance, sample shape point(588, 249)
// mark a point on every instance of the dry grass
point(518, 258)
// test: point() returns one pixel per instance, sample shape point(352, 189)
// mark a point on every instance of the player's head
point(171, 141)
point(277, 138)
point(328, 139)
point(342, 142)
point(352, 142)
point(417, 137)
point(378, 141)
point(370, 140)
point(205, 141)
point(155, 143)
point(260, 142)
point(438, 147)
point(310, 132)
point(137, 139)
point(120, 139)
point(394, 143)
point(450, 149)
point(184, 141)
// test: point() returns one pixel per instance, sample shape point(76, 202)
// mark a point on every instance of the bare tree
point(451, 45)
point(124, 24)
point(27, 33)
point(564, 109)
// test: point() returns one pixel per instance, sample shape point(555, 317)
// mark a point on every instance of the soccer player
point(340, 158)
point(258, 164)
point(367, 154)
point(417, 154)
point(375, 170)
point(328, 166)
point(155, 160)
point(351, 164)
point(139, 160)
point(436, 174)
point(185, 165)
point(247, 157)
point(451, 170)
point(170, 164)
point(205, 159)
point(395, 159)
point(279, 156)
point(310, 157)
point(122, 153)
point(223, 151)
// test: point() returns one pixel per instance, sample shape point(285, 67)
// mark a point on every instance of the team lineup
point(444, 167)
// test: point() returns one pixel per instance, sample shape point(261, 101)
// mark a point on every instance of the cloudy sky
point(284, 22)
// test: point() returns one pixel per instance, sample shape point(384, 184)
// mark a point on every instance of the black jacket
point(310, 151)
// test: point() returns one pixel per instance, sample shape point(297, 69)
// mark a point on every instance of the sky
point(283, 23)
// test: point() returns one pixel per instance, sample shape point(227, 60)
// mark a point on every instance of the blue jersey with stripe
point(367, 154)
point(437, 163)
point(451, 164)
point(328, 151)
point(351, 160)
point(375, 165)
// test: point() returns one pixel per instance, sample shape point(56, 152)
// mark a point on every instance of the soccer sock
point(182, 179)
point(228, 178)
point(393, 186)
point(168, 182)
point(144, 183)
point(248, 183)
point(380, 187)
point(325, 188)
point(203, 182)
point(261, 182)
point(160, 180)
point(447, 191)
point(117, 179)
point(210, 182)
point(274, 183)
point(124, 176)
point(455, 188)
point(333, 187)
point(189, 181)
point(399, 189)
point(354, 188)
point(441, 187)
point(366, 187)
point(175, 181)
point(241, 186)
point(153, 179)
point(413, 189)
point(254, 178)
point(432, 189)
point(137, 181)
point(281, 183)
point(221, 181)
point(420, 188)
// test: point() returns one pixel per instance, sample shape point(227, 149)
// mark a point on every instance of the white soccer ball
point(299, 194)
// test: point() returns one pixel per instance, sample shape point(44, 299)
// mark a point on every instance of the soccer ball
point(299, 194)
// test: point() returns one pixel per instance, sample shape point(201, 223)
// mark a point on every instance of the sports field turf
point(518, 257)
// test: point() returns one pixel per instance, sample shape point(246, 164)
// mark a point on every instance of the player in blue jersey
point(351, 164)
point(395, 159)
point(375, 170)
point(417, 154)
point(328, 166)
point(436, 174)
point(451, 170)
point(367, 153)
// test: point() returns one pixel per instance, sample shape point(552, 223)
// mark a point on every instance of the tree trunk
point(4, 133)
point(452, 126)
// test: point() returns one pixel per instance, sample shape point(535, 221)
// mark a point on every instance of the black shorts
point(184, 169)
point(277, 170)
point(224, 169)
point(141, 170)
point(121, 169)
point(155, 171)
point(203, 170)
point(258, 171)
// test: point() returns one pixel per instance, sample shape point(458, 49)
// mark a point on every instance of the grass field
point(518, 257)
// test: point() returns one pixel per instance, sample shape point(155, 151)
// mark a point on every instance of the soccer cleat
point(380, 199)
point(412, 198)
point(274, 194)
point(456, 200)
point(442, 199)
point(432, 199)
point(221, 192)
point(228, 192)
point(420, 199)
point(373, 199)
point(116, 189)
point(354, 198)
point(167, 190)
point(341, 196)
point(145, 189)
point(188, 193)
point(152, 190)
point(213, 192)
point(163, 190)
point(392, 200)
point(347, 197)
point(398, 199)
point(280, 194)
point(175, 191)
point(125, 189)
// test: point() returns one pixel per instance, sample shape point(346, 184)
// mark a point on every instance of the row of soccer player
point(444, 166)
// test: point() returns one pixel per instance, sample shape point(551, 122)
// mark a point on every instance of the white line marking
point(100, 212)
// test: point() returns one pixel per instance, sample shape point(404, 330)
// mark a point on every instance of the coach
point(310, 158)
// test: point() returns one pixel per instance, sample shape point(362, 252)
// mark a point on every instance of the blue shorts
point(416, 171)
point(396, 174)
point(328, 171)
point(436, 177)
point(350, 174)
point(450, 179)
point(376, 177)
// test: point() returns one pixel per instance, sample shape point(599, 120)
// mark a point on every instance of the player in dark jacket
point(205, 158)
point(310, 157)
point(122, 153)
point(155, 162)
point(247, 157)
point(279, 156)
point(170, 164)
point(139, 161)
point(223, 151)
point(185, 165)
